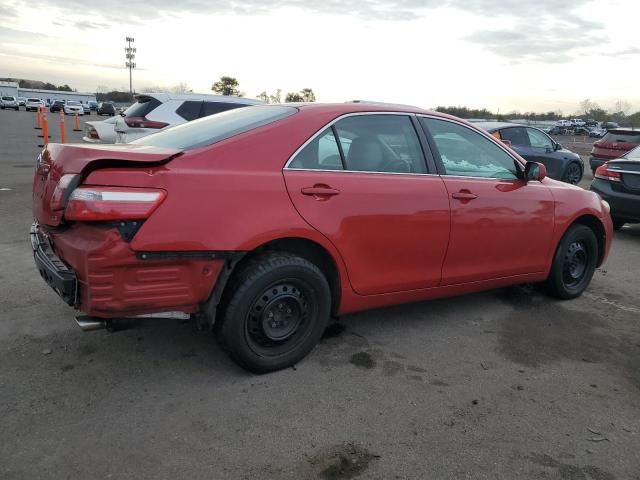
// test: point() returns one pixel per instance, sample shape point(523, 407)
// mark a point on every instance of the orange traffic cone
point(76, 128)
point(38, 120)
point(62, 133)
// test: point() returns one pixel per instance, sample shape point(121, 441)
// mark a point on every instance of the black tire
point(618, 223)
point(573, 263)
point(276, 313)
point(572, 173)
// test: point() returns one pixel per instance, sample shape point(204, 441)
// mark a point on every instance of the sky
point(504, 55)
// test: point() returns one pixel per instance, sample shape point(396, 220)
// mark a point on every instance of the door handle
point(464, 195)
point(320, 191)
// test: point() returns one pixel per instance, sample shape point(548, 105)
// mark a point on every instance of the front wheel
point(572, 174)
point(277, 312)
point(574, 263)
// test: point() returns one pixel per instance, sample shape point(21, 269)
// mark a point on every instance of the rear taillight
point(94, 204)
point(142, 122)
point(93, 133)
point(604, 173)
point(60, 193)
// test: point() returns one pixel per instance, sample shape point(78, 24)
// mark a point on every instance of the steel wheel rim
point(573, 174)
point(576, 261)
point(280, 318)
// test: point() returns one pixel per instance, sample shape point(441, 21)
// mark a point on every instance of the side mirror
point(557, 147)
point(534, 171)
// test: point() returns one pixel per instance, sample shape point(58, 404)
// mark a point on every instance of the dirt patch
point(362, 360)
point(341, 462)
point(568, 471)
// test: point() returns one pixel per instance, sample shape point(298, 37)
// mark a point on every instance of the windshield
point(73, 104)
point(215, 128)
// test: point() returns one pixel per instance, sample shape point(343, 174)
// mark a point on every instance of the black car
point(534, 145)
point(56, 106)
point(618, 182)
point(106, 108)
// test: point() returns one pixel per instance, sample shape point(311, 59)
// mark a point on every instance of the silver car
point(9, 102)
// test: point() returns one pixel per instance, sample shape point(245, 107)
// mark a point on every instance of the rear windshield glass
point(622, 136)
point(634, 154)
point(215, 128)
point(142, 107)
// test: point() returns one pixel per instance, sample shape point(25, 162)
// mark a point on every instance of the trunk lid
point(629, 172)
point(71, 161)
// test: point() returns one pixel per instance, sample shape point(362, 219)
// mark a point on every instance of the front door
point(501, 226)
point(363, 183)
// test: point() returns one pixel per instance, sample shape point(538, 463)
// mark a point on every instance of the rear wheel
point(574, 263)
point(572, 174)
point(277, 312)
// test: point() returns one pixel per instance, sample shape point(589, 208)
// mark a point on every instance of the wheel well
point(313, 252)
point(307, 249)
point(598, 229)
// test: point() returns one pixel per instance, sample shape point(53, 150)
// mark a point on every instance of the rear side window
point(215, 128)
point(622, 137)
point(516, 135)
point(142, 107)
point(322, 153)
point(365, 143)
point(211, 108)
point(189, 110)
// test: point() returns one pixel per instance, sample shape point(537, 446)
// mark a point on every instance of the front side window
point(538, 139)
point(467, 153)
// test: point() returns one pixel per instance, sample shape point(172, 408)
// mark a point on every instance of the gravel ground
point(506, 384)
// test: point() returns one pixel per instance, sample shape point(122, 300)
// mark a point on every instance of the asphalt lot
point(506, 384)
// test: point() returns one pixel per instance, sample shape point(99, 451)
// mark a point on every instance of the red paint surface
point(393, 238)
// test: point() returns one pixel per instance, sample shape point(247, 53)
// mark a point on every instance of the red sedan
point(263, 222)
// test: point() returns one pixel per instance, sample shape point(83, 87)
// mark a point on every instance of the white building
point(13, 90)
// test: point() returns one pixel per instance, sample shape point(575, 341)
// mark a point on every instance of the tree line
point(588, 110)
point(38, 85)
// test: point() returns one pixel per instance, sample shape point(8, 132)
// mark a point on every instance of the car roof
point(355, 107)
point(164, 97)
point(625, 130)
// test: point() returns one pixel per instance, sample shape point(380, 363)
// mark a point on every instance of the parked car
point(106, 108)
point(614, 144)
point(610, 125)
point(71, 107)
point(86, 108)
point(578, 122)
point(100, 132)
point(93, 105)
point(535, 145)
point(352, 206)
point(155, 111)
point(591, 123)
point(581, 130)
point(618, 182)
point(597, 132)
point(56, 106)
point(21, 101)
point(9, 102)
point(33, 104)
point(564, 123)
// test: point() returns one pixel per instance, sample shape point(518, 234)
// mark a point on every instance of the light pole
point(130, 54)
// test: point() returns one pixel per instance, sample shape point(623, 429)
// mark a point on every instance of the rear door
point(364, 184)
point(501, 226)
